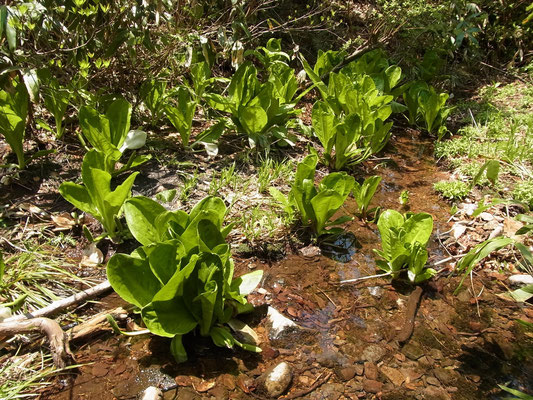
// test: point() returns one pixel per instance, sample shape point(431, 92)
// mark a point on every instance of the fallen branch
point(410, 315)
point(60, 305)
point(59, 347)
point(97, 323)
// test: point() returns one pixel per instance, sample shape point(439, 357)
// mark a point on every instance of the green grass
point(523, 191)
point(39, 273)
point(498, 126)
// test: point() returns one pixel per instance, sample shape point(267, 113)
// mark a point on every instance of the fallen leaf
point(63, 222)
point(92, 256)
point(201, 385)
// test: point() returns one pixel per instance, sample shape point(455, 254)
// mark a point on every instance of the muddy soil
point(462, 346)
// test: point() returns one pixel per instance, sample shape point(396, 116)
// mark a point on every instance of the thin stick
point(363, 278)
point(308, 390)
point(60, 305)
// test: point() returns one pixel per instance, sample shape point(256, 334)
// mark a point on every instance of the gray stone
point(276, 380)
point(412, 351)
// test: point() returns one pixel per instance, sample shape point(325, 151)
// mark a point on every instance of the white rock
point(5, 313)
point(521, 279)
point(469, 208)
point(485, 216)
point(276, 380)
point(244, 332)
point(278, 324)
point(498, 231)
point(151, 393)
point(457, 230)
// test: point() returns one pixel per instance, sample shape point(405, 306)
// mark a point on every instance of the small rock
point(412, 351)
point(346, 373)
point(371, 371)
point(328, 391)
point(498, 231)
point(521, 279)
point(436, 354)
point(375, 291)
point(371, 386)
point(278, 325)
point(485, 216)
point(445, 376)
point(432, 381)
point(276, 380)
point(435, 393)
point(395, 376)
point(468, 208)
point(373, 353)
point(151, 393)
point(311, 251)
point(359, 369)
point(457, 230)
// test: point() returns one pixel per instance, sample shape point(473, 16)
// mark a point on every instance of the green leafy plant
point(96, 196)
point(182, 277)
point(403, 242)
point(182, 115)
point(14, 102)
point(153, 92)
point(254, 107)
point(423, 100)
point(363, 193)
point(110, 135)
point(56, 99)
point(316, 205)
point(352, 138)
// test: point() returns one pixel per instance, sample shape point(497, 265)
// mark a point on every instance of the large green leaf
point(132, 279)
point(141, 213)
point(323, 120)
point(388, 224)
point(79, 197)
point(167, 315)
point(253, 119)
point(164, 259)
point(325, 204)
point(418, 228)
point(119, 115)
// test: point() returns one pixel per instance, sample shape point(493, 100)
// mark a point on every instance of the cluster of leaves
point(316, 205)
point(350, 119)
point(403, 240)
point(424, 103)
point(182, 276)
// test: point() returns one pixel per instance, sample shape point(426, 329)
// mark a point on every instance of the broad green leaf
point(132, 279)
point(323, 121)
point(253, 119)
point(119, 115)
point(165, 258)
point(79, 197)
point(388, 224)
point(325, 204)
point(141, 213)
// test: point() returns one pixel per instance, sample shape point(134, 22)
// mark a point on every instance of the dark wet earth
point(462, 347)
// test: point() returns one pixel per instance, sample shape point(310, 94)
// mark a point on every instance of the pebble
point(395, 376)
point(346, 373)
point(276, 380)
point(372, 386)
point(371, 371)
point(485, 216)
point(373, 353)
point(521, 279)
point(412, 351)
point(432, 381)
point(152, 393)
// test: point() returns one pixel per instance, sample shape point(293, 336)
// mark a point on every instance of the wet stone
point(373, 353)
point(432, 381)
point(446, 376)
point(395, 376)
point(372, 386)
point(371, 371)
point(346, 373)
point(278, 325)
point(412, 351)
point(276, 380)
point(328, 391)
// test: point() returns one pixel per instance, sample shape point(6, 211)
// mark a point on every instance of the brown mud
point(462, 346)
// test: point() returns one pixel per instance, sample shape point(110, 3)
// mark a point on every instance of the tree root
point(410, 315)
point(59, 346)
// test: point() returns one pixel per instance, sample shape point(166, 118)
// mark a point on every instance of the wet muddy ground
point(462, 347)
